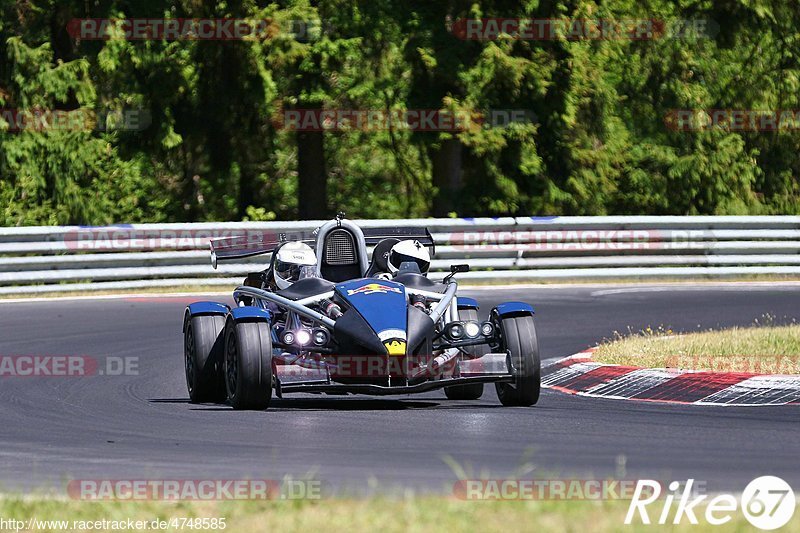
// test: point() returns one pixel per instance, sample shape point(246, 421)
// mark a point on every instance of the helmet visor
point(292, 272)
point(396, 259)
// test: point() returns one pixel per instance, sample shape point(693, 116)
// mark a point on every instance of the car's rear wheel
point(474, 390)
point(520, 341)
point(202, 355)
point(248, 365)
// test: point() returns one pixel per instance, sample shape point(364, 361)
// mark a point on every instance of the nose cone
point(383, 306)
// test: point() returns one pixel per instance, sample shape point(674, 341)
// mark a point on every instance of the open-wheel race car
point(346, 324)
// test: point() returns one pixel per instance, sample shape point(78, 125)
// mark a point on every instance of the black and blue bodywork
point(345, 334)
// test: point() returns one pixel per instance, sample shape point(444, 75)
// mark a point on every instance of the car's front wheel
point(520, 341)
point(248, 365)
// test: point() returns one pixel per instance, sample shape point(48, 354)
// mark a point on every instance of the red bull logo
point(374, 288)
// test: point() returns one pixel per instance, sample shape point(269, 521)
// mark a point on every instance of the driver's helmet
point(409, 251)
point(294, 261)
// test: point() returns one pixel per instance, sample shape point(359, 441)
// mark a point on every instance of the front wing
point(490, 368)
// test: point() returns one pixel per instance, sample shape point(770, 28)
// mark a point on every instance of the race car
point(353, 326)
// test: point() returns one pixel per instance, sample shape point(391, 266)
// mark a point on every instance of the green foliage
point(63, 175)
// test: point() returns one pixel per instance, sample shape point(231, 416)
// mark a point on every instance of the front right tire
point(202, 351)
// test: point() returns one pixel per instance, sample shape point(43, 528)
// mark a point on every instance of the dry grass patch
point(758, 349)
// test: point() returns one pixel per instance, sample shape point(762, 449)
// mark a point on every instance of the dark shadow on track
point(350, 404)
point(346, 404)
point(341, 404)
point(312, 404)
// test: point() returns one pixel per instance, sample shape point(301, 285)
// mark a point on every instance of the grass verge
point(757, 349)
point(409, 514)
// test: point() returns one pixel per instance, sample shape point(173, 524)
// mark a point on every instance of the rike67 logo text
point(767, 502)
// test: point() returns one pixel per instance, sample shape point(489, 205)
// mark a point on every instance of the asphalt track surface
point(55, 429)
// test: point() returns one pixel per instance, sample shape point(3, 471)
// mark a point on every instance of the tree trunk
point(312, 199)
point(246, 190)
point(447, 176)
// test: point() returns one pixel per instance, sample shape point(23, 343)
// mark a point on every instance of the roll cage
point(340, 246)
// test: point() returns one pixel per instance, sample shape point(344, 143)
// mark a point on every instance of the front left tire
point(248, 365)
point(522, 345)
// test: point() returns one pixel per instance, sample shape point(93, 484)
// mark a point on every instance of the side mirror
point(455, 269)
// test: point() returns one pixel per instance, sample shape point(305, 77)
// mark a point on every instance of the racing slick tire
point(248, 365)
point(202, 350)
point(519, 339)
point(474, 390)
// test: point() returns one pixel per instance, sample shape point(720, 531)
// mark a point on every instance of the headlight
point(487, 329)
point(321, 337)
point(288, 338)
point(303, 337)
point(472, 329)
point(455, 331)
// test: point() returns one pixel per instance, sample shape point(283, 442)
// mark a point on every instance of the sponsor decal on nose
point(373, 288)
point(395, 347)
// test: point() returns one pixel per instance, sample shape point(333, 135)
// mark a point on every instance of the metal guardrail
point(74, 258)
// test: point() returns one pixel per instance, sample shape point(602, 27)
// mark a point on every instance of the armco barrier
point(46, 259)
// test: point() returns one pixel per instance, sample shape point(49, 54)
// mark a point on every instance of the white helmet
point(293, 261)
point(409, 252)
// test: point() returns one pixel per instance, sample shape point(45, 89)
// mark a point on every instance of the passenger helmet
point(409, 252)
point(293, 261)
